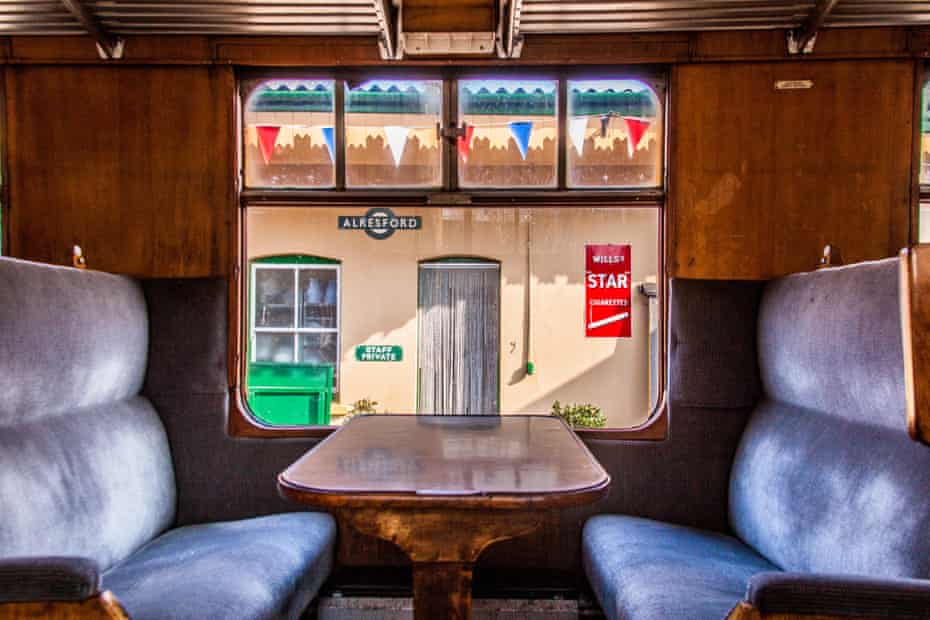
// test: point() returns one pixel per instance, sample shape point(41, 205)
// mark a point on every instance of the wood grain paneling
point(763, 179)
point(448, 15)
point(539, 49)
point(133, 164)
point(915, 321)
point(102, 607)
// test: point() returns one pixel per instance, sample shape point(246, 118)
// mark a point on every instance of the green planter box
point(290, 394)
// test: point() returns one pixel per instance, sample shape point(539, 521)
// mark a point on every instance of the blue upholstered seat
point(649, 570)
point(255, 569)
point(824, 479)
point(112, 434)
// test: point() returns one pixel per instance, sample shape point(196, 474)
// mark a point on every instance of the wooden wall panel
point(762, 179)
point(133, 164)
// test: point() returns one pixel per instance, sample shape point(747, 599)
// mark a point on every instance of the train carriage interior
point(454, 309)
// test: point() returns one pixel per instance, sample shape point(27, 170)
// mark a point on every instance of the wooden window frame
point(242, 423)
point(296, 330)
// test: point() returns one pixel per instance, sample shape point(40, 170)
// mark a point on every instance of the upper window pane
point(289, 134)
point(392, 133)
point(615, 134)
point(511, 133)
point(925, 135)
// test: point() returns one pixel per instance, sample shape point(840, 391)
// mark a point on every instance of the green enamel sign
point(379, 353)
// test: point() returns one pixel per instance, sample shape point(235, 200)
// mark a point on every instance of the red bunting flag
point(636, 129)
point(267, 136)
point(464, 142)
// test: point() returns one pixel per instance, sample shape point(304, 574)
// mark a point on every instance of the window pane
point(274, 297)
point(500, 298)
point(925, 135)
point(614, 134)
point(511, 135)
point(319, 295)
point(923, 223)
point(289, 134)
point(318, 348)
point(392, 135)
point(278, 348)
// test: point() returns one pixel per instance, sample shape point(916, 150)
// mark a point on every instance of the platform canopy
point(506, 21)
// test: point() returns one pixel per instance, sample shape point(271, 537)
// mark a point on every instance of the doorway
point(459, 337)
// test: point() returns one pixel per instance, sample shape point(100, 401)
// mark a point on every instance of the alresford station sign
point(380, 222)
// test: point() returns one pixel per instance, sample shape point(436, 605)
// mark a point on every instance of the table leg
point(443, 546)
point(442, 590)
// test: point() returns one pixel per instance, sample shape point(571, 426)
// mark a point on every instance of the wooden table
point(443, 488)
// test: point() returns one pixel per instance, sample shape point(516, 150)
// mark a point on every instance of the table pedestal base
point(443, 546)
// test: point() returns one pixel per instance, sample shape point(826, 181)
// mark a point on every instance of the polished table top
point(447, 457)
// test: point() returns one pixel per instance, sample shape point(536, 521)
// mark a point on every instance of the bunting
point(267, 136)
point(464, 142)
point(576, 130)
point(330, 138)
point(397, 140)
point(521, 131)
point(636, 129)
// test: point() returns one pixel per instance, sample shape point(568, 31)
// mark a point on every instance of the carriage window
point(392, 133)
point(458, 311)
point(293, 339)
point(511, 133)
point(615, 134)
point(289, 134)
point(923, 215)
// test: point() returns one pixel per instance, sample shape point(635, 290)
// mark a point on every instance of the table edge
point(406, 499)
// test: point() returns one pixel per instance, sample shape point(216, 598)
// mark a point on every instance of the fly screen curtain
point(459, 338)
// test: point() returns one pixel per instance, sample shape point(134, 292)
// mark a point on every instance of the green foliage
point(363, 406)
point(580, 415)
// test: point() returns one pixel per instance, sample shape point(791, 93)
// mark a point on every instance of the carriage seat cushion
point(261, 568)
point(650, 570)
point(88, 472)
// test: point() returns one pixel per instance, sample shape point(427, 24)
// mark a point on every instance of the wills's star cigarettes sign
point(607, 291)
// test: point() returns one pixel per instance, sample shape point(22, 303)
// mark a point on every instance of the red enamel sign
point(607, 291)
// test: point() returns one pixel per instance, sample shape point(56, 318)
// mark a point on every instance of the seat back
point(85, 467)
point(826, 478)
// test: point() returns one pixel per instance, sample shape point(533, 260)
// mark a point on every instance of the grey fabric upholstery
point(95, 483)
point(649, 570)
point(826, 478)
point(187, 381)
point(90, 456)
point(839, 595)
point(257, 569)
point(712, 344)
point(48, 579)
point(90, 350)
point(87, 469)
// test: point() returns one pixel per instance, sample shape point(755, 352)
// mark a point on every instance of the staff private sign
point(607, 291)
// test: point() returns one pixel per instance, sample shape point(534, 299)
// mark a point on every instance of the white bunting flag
point(576, 130)
point(397, 140)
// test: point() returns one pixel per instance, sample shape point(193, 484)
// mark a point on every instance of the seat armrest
point(839, 595)
point(40, 579)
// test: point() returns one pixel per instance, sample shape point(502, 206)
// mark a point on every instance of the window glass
point(925, 135)
point(923, 222)
point(511, 133)
point(392, 133)
point(289, 139)
point(293, 341)
point(614, 134)
point(459, 310)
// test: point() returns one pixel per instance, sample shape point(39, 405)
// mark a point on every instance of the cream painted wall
point(379, 298)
